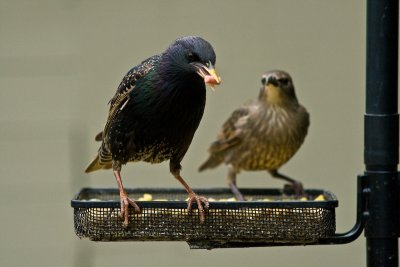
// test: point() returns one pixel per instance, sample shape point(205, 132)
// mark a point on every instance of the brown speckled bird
point(263, 134)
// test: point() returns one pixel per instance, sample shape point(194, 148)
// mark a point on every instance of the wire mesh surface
point(267, 217)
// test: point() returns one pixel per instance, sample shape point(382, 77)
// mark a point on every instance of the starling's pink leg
point(125, 200)
point(193, 197)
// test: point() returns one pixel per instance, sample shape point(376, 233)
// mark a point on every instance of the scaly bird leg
point(232, 184)
point(125, 200)
point(296, 186)
point(193, 197)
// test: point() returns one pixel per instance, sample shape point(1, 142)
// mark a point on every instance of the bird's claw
point(125, 202)
point(295, 188)
point(199, 200)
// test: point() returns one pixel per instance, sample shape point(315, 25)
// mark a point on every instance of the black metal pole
point(381, 142)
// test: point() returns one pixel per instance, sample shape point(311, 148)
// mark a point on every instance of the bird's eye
point(192, 57)
point(263, 80)
point(284, 81)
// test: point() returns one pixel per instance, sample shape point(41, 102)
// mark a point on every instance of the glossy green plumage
point(157, 108)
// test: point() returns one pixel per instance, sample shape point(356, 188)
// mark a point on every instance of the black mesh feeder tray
point(267, 218)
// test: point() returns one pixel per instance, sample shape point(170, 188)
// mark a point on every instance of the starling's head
point(193, 55)
point(277, 88)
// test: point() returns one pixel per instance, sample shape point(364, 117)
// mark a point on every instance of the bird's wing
point(121, 97)
point(231, 133)
point(104, 158)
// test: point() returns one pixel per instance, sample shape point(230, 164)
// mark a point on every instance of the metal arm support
point(362, 214)
point(363, 196)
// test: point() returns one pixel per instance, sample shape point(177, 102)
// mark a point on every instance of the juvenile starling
point(263, 134)
point(155, 113)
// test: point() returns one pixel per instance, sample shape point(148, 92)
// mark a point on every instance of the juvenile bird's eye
point(284, 81)
point(263, 80)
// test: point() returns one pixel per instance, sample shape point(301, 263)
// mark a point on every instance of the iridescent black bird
point(263, 134)
point(155, 113)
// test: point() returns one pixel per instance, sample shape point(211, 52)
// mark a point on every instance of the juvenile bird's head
point(192, 56)
point(277, 89)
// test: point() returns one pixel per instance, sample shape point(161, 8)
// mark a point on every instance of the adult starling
point(263, 134)
point(155, 113)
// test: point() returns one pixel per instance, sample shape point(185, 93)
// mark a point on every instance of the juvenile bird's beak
point(209, 74)
point(273, 91)
point(272, 80)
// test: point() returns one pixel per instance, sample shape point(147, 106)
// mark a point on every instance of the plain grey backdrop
point(61, 61)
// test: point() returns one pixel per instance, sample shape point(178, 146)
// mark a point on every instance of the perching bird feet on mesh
point(295, 188)
point(193, 197)
point(125, 202)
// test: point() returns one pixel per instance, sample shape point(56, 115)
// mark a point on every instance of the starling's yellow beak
point(208, 73)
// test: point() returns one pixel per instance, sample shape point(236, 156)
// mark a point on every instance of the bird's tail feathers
point(212, 162)
point(95, 165)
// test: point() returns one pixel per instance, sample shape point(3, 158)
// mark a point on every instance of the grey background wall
point(61, 61)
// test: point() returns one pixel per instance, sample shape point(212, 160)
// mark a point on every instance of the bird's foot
point(236, 192)
point(295, 188)
point(200, 200)
point(125, 202)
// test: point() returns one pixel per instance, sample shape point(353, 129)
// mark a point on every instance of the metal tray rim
point(332, 202)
